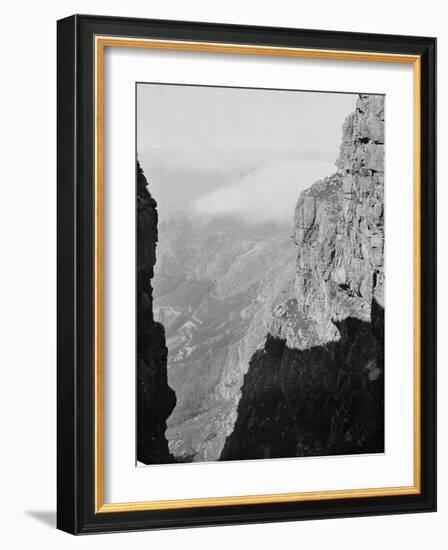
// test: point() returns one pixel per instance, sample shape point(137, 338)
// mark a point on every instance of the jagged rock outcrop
point(339, 228)
point(155, 399)
point(317, 387)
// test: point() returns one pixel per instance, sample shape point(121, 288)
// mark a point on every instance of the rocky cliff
point(317, 386)
point(155, 399)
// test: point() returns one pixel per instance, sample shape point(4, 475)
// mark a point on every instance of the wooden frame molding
point(82, 43)
point(102, 42)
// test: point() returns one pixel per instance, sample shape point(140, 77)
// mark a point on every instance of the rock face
point(155, 399)
point(317, 386)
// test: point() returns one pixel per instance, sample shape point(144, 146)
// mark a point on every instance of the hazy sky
point(208, 150)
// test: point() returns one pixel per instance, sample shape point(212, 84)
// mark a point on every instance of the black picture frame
point(76, 512)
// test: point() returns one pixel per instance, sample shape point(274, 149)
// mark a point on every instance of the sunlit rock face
point(316, 387)
point(155, 399)
point(339, 228)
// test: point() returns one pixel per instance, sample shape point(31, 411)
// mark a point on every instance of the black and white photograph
point(260, 273)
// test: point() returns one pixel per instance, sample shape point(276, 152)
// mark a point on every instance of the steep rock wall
point(317, 386)
point(155, 399)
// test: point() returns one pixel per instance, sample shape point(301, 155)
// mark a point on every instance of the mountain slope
point(216, 285)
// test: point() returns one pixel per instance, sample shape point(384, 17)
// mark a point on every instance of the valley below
point(216, 285)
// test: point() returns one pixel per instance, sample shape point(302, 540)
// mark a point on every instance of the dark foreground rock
point(327, 400)
point(155, 399)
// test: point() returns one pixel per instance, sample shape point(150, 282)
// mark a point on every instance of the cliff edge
point(317, 386)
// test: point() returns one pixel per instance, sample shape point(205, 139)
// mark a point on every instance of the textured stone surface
point(317, 385)
point(155, 399)
point(340, 265)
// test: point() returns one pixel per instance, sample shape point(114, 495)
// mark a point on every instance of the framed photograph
point(246, 274)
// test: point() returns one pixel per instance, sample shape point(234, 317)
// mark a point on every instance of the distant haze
point(267, 193)
point(208, 151)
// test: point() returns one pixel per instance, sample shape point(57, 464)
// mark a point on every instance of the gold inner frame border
point(100, 43)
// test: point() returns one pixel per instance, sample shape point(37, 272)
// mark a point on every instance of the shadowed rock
point(326, 400)
point(155, 399)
